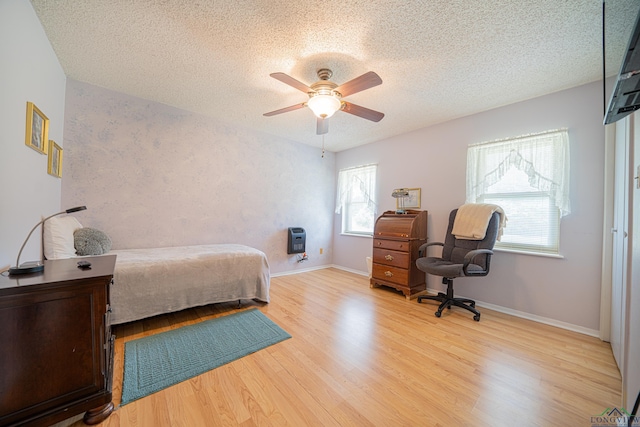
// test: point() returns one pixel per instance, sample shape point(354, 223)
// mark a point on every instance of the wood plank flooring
point(369, 357)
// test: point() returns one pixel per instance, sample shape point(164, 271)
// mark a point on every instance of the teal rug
point(158, 361)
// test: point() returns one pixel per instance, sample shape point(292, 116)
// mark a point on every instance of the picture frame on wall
point(37, 133)
point(412, 201)
point(55, 160)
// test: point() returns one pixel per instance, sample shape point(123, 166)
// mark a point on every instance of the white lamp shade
point(324, 106)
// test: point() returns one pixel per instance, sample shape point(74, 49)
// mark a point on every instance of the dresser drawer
point(393, 258)
point(394, 245)
point(391, 274)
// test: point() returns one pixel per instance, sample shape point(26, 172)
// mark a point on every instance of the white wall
point(434, 159)
point(153, 175)
point(30, 71)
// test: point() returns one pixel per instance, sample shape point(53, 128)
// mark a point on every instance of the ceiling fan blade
point(286, 79)
point(365, 113)
point(286, 109)
point(359, 84)
point(323, 126)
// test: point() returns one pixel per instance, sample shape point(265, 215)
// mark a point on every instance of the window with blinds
point(356, 199)
point(528, 176)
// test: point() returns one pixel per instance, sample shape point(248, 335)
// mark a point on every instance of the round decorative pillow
point(89, 241)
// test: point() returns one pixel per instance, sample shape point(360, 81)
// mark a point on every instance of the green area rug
point(158, 361)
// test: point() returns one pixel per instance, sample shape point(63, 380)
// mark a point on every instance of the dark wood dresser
point(56, 347)
point(396, 239)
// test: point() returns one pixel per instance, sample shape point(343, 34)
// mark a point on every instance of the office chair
point(460, 258)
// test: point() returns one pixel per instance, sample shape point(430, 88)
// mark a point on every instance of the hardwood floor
point(368, 357)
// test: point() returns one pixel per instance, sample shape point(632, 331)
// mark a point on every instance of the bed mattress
point(148, 282)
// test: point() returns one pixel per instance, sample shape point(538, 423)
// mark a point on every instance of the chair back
point(454, 250)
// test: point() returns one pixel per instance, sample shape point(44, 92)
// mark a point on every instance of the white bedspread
point(148, 282)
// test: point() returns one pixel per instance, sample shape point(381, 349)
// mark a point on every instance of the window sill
point(369, 236)
point(542, 254)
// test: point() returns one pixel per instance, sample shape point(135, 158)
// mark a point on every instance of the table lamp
point(36, 266)
point(400, 193)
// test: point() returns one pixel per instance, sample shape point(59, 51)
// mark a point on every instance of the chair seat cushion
point(440, 267)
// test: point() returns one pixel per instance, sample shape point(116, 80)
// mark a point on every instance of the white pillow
point(58, 237)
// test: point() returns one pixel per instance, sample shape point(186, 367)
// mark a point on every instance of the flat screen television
point(621, 54)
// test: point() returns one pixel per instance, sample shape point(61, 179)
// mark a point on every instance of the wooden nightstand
point(396, 239)
point(56, 351)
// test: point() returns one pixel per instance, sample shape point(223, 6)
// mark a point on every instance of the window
point(356, 199)
point(528, 176)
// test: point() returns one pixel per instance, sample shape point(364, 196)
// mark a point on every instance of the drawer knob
point(388, 257)
point(388, 273)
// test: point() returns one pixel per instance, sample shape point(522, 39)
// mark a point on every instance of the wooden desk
point(396, 239)
point(56, 347)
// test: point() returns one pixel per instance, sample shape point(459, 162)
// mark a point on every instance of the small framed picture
point(412, 201)
point(55, 160)
point(37, 129)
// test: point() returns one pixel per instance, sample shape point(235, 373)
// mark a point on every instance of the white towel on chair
point(472, 220)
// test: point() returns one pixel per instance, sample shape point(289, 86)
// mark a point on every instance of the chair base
point(447, 300)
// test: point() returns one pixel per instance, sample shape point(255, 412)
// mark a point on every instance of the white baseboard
point(350, 270)
point(529, 316)
point(320, 267)
point(498, 308)
point(302, 270)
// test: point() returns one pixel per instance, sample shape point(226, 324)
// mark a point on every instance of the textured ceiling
point(438, 59)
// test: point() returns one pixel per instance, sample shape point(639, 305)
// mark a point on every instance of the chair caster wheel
point(476, 317)
point(438, 314)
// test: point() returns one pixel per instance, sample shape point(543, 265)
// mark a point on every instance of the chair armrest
point(422, 250)
point(470, 256)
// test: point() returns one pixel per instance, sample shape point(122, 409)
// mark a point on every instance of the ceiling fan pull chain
point(323, 146)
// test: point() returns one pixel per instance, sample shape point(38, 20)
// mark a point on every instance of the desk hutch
point(396, 239)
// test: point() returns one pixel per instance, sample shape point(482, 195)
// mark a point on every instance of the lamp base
point(27, 267)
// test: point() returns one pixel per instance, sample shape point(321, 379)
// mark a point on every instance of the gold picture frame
point(412, 201)
point(37, 133)
point(54, 164)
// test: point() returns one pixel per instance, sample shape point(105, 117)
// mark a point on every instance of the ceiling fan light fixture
point(325, 97)
point(323, 105)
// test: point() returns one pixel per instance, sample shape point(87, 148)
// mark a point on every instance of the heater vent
point(296, 241)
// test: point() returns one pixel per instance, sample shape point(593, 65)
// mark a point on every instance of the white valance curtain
point(544, 157)
point(364, 177)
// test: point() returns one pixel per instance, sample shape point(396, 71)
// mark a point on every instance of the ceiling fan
point(325, 97)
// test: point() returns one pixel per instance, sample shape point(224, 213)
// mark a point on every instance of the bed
point(148, 282)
